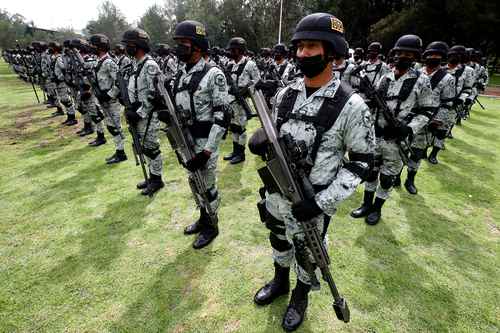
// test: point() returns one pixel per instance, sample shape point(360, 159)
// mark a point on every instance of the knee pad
point(417, 154)
point(386, 181)
point(236, 129)
point(113, 130)
point(279, 244)
point(152, 153)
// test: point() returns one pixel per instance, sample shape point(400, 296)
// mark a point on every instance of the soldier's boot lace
point(365, 207)
point(296, 310)
point(207, 234)
point(279, 285)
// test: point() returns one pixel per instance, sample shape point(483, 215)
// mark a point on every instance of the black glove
point(164, 117)
point(458, 102)
point(258, 142)
point(403, 132)
point(468, 102)
point(233, 90)
point(243, 91)
point(103, 97)
point(132, 117)
point(198, 161)
point(306, 210)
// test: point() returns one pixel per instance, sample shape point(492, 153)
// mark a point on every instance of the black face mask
point(356, 58)
point(433, 62)
point(131, 50)
point(51, 51)
point(312, 66)
point(183, 52)
point(278, 57)
point(453, 60)
point(403, 63)
point(372, 56)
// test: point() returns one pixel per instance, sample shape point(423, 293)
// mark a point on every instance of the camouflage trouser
point(287, 237)
point(209, 174)
point(151, 143)
point(421, 141)
point(64, 98)
point(238, 125)
point(442, 127)
point(388, 163)
point(89, 111)
point(51, 89)
point(111, 111)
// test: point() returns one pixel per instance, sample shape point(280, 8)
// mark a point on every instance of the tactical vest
point(199, 129)
point(239, 71)
point(322, 121)
point(435, 79)
point(376, 70)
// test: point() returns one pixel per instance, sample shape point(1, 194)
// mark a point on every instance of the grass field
point(495, 80)
point(82, 251)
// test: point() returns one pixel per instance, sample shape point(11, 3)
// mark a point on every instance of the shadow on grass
point(402, 285)
point(172, 298)
point(102, 241)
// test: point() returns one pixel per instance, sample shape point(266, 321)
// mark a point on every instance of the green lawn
point(494, 80)
point(82, 251)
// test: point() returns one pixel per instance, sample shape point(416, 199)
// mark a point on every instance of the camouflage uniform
point(249, 76)
point(443, 95)
point(285, 71)
point(141, 86)
point(414, 112)
point(63, 95)
point(46, 74)
point(353, 132)
point(209, 118)
point(343, 72)
point(105, 76)
point(464, 80)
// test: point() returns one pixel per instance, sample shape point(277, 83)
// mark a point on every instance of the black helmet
point(100, 41)
point(137, 37)
point(162, 49)
point(437, 47)
point(410, 43)
point(457, 49)
point(237, 43)
point(67, 43)
point(265, 52)
point(280, 49)
point(194, 31)
point(324, 27)
point(119, 47)
point(55, 46)
point(359, 51)
point(375, 47)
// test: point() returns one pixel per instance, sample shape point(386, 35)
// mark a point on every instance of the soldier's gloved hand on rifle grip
point(198, 161)
point(306, 210)
point(468, 102)
point(233, 90)
point(258, 142)
point(103, 97)
point(132, 117)
point(244, 91)
point(458, 102)
point(164, 117)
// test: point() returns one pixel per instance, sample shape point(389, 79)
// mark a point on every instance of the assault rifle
point(182, 143)
point(122, 79)
point(239, 98)
point(285, 172)
point(369, 90)
point(30, 77)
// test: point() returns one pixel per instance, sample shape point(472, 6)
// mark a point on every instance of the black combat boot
point(119, 156)
point(433, 156)
point(71, 121)
point(100, 140)
point(207, 234)
point(230, 156)
point(239, 155)
point(279, 285)
point(365, 207)
point(87, 129)
point(154, 185)
point(296, 311)
point(410, 182)
point(197, 226)
point(376, 212)
point(142, 185)
point(58, 112)
point(397, 180)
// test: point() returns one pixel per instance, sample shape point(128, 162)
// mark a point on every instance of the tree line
point(469, 22)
